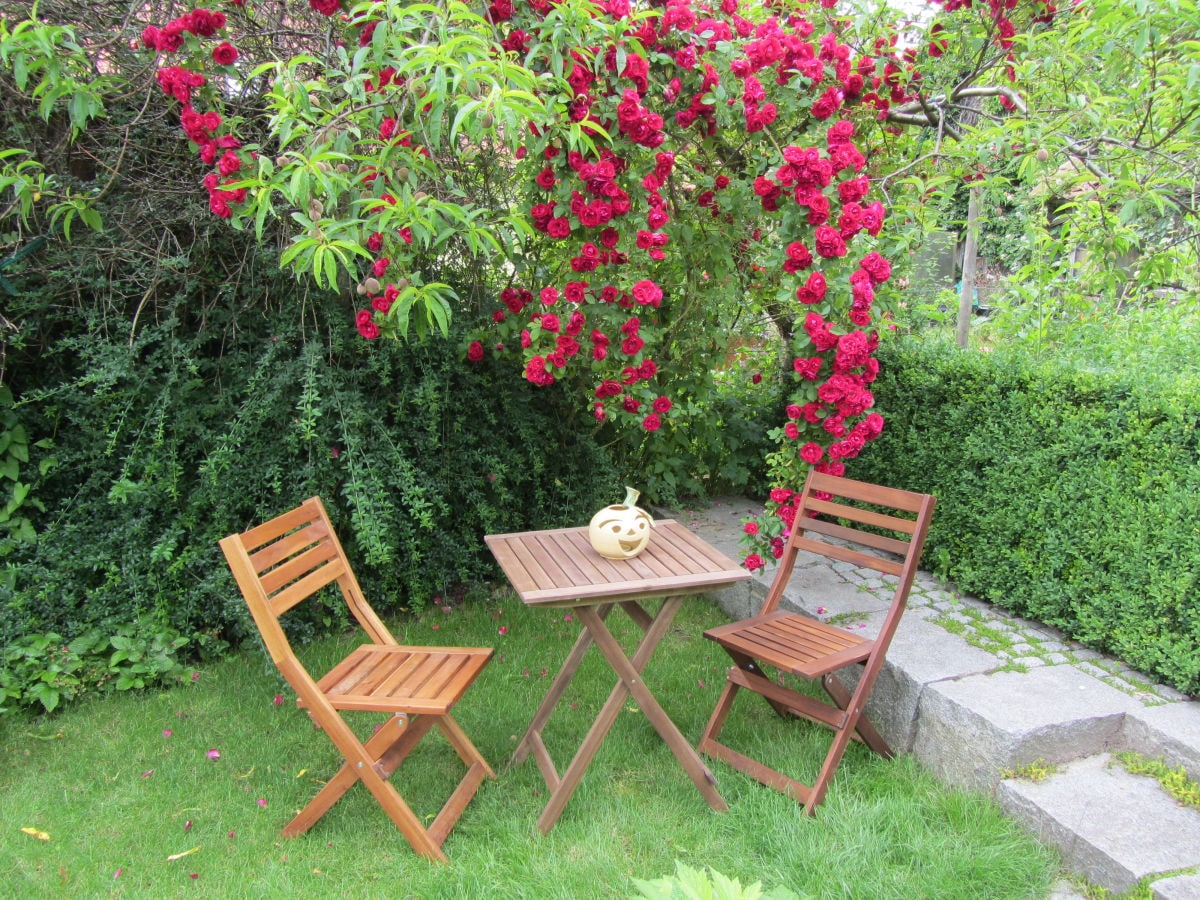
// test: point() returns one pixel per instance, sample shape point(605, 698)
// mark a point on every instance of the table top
point(558, 567)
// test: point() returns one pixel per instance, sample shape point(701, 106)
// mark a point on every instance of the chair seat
point(383, 678)
point(793, 643)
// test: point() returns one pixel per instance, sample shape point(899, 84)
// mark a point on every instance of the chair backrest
point(867, 525)
point(285, 561)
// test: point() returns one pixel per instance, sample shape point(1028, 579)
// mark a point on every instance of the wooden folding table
point(558, 568)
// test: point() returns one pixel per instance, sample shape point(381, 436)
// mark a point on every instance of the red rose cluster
point(201, 128)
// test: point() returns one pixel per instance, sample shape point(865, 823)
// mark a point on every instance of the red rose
point(829, 243)
point(811, 453)
point(225, 54)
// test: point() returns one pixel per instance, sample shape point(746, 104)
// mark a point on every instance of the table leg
point(561, 682)
point(629, 671)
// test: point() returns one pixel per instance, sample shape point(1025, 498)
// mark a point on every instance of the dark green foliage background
point(187, 433)
point(1065, 496)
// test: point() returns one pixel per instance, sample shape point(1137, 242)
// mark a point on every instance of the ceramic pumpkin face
point(621, 531)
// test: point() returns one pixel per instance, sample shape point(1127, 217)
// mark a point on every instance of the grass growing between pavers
point(133, 805)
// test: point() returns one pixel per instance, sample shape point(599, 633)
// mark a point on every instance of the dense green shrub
point(170, 441)
point(1064, 496)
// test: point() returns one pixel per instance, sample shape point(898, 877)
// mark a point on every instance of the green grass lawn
point(123, 785)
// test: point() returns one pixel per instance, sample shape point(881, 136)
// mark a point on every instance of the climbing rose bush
point(648, 160)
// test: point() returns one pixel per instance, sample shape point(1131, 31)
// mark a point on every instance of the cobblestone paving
point(1020, 643)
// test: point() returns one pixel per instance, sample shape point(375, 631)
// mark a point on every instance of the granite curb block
point(1107, 823)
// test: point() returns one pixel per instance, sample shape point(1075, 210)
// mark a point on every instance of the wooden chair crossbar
point(289, 559)
point(867, 525)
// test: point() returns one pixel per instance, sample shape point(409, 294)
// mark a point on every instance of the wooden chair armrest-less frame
point(283, 562)
point(866, 525)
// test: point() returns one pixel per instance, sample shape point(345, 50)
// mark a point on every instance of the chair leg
point(387, 746)
point(833, 758)
point(462, 744)
point(865, 730)
point(402, 816)
point(716, 722)
point(710, 746)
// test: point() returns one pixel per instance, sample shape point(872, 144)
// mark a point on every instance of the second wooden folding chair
point(289, 559)
point(866, 525)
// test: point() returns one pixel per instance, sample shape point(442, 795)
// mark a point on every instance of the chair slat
point(269, 531)
point(306, 587)
point(867, 492)
point(860, 515)
point(844, 554)
point(270, 555)
point(295, 567)
point(854, 535)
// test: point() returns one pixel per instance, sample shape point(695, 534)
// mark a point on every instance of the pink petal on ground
point(195, 676)
point(167, 732)
point(213, 754)
point(117, 874)
point(503, 629)
point(278, 701)
point(262, 801)
point(147, 773)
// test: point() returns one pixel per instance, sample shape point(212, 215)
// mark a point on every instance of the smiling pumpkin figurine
point(621, 531)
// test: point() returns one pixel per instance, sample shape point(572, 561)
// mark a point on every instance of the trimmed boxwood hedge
point(1065, 496)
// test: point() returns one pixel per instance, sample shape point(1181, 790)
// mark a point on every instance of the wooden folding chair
point(867, 525)
point(287, 560)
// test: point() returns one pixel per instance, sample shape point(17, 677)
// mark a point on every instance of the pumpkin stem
point(631, 496)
